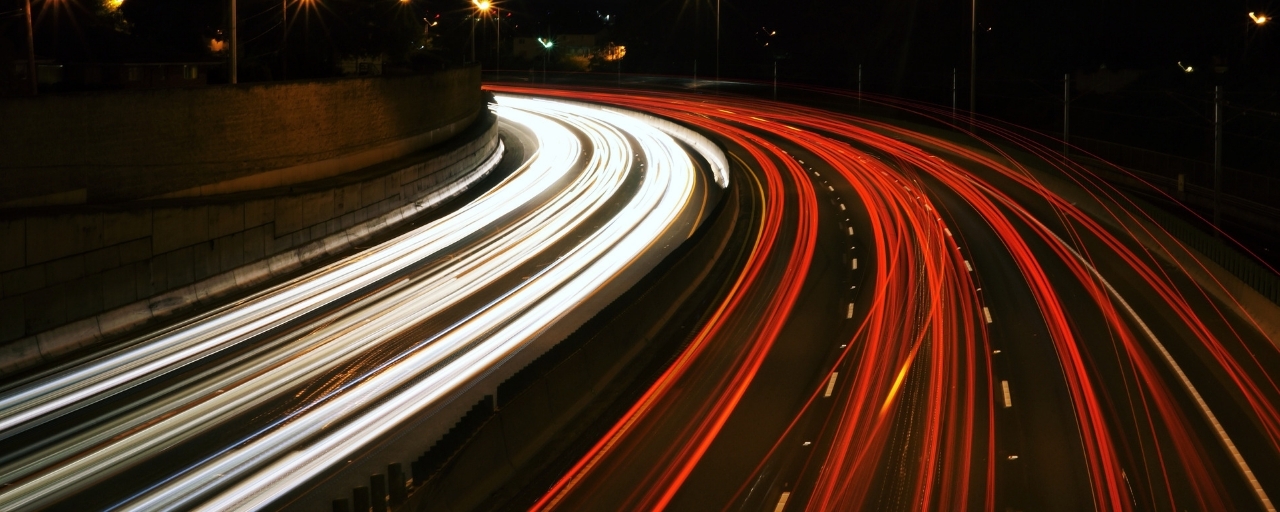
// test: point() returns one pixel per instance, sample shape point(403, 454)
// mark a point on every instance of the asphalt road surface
point(1012, 336)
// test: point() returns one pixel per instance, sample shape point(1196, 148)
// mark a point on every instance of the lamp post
point(546, 44)
point(973, 60)
point(233, 49)
point(31, 51)
point(481, 6)
point(284, 39)
point(497, 52)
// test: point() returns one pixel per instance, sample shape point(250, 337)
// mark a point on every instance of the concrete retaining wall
point(97, 147)
point(69, 280)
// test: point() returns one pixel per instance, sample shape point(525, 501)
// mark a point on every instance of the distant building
point(529, 48)
point(127, 75)
point(361, 65)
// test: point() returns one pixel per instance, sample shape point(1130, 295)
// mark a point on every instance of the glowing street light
point(1186, 69)
point(1260, 19)
point(546, 44)
point(481, 6)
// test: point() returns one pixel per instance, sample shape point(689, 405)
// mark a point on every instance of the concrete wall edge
point(48, 345)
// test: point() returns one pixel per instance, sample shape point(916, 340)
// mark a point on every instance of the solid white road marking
point(987, 313)
point(782, 502)
point(1008, 400)
point(831, 384)
point(1223, 438)
point(850, 313)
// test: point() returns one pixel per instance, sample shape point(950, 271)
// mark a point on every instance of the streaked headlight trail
point(387, 333)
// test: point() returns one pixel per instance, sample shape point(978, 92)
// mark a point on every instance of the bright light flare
point(1260, 19)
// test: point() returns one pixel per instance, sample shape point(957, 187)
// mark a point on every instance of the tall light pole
point(481, 6)
point(546, 44)
point(1217, 158)
point(717, 45)
point(284, 39)
point(497, 53)
point(973, 60)
point(31, 51)
point(233, 47)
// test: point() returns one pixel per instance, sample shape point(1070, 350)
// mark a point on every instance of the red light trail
point(916, 409)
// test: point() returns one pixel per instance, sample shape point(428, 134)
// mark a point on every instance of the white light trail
point(288, 452)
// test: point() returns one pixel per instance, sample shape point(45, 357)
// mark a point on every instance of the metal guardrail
point(1254, 275)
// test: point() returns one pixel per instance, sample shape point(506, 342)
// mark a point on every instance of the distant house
point(361, 65)
point(529, 48)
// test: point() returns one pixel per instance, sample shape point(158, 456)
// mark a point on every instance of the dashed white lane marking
point(987, 313)
point(849, 314)
point(829, 187)
point(831, 384)
point(967, 266)
point(815, 173)
point(841, 206)
point(850, 231)
point(782, 502)
point(855, 264)
point(1008, 400)
point(947, 230)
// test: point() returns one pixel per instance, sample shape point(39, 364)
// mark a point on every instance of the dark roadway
point(1165, 451)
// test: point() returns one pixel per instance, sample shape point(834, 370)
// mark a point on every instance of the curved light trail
point(354, 342)
point(918, 420)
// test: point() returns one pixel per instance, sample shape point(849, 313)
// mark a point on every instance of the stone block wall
point(69, 279)
point(112, 146)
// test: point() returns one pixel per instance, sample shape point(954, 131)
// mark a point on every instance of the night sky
point(1124, 54)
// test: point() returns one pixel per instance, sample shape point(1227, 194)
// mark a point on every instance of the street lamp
point(31, 50)
point(546, 44)
point(481, 6)
point(1260, 19)
point(973, 60)
point(284, 39)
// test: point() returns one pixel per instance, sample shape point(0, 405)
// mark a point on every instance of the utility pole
point(973, 61)
point(497, 57)
point(953, 94)
point(1217, 157)
point(717, 45)
point(234, 48)
point(1066, 115)
point(284, 39)
point(31, 51)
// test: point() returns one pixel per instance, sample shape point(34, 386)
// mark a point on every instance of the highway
point(933, 319)
point(235, 408)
